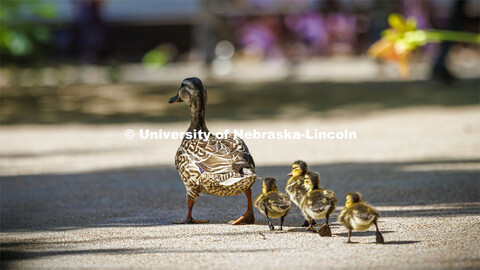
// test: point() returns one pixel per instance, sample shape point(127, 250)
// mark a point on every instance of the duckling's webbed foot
point(270, 225)
point(306, 224)
point(378, 235)
point(281, 222)
point(310, 226)
point(349, 235)
point(325, 230)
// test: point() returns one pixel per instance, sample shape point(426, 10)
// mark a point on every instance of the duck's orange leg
point(248, 217)
point(189, 219)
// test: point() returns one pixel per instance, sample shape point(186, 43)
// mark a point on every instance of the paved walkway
point(83, 196)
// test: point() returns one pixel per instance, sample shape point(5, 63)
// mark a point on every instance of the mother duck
point(221, 167)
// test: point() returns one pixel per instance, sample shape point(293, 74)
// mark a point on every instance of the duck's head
point(353, 198)
point(299, 168)
point(194, 95)
point(191, 92)
point(312, 181)
point(269, 184)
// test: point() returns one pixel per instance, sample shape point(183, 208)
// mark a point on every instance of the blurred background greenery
point(101, 61)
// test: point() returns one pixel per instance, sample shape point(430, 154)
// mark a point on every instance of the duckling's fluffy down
point(277, 204)
point(317, 204)
point(296, 190)
point(358, 217)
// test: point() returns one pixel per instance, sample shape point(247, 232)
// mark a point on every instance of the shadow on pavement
point(153, 196)
point(8, 256)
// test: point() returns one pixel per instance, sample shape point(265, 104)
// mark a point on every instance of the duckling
point(272, 203)
point(295, 188)
point(359, 216)
point(318, 203)
point(216, 166)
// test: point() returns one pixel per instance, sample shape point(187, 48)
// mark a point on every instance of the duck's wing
point(226, 161)
point(238, 147)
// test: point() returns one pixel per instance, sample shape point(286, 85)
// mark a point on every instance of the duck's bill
point(290, 174)
point(175, 99)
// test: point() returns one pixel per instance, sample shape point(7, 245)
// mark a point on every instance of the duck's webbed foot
point(306, 224)
point(247, 218)
point(325, 230)
point(190, 220)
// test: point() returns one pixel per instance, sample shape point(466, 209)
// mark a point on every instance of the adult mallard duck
point(272, 203)
point(295, 188)
point(359, 216)
point(318, 203)
point(221, 167)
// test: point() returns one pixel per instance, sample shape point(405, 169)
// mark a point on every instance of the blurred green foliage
point(22, 31)
point(158, 57)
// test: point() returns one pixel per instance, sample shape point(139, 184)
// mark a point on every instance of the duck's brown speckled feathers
point(222, 167)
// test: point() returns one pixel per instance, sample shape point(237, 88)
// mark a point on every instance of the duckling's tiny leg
point(248, 217)
point(349, 235)
point(281, 222)
point(310, 226)
point(378, 234)
point(190, 219)
point(270, 225)
point(305, 223)
point(325, 229)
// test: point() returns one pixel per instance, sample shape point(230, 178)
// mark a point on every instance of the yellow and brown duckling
point(295, 188)
point(318, 203)
point(272, 203)
point(359, 216)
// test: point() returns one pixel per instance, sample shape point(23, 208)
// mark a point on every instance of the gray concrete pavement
point(82, 196)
